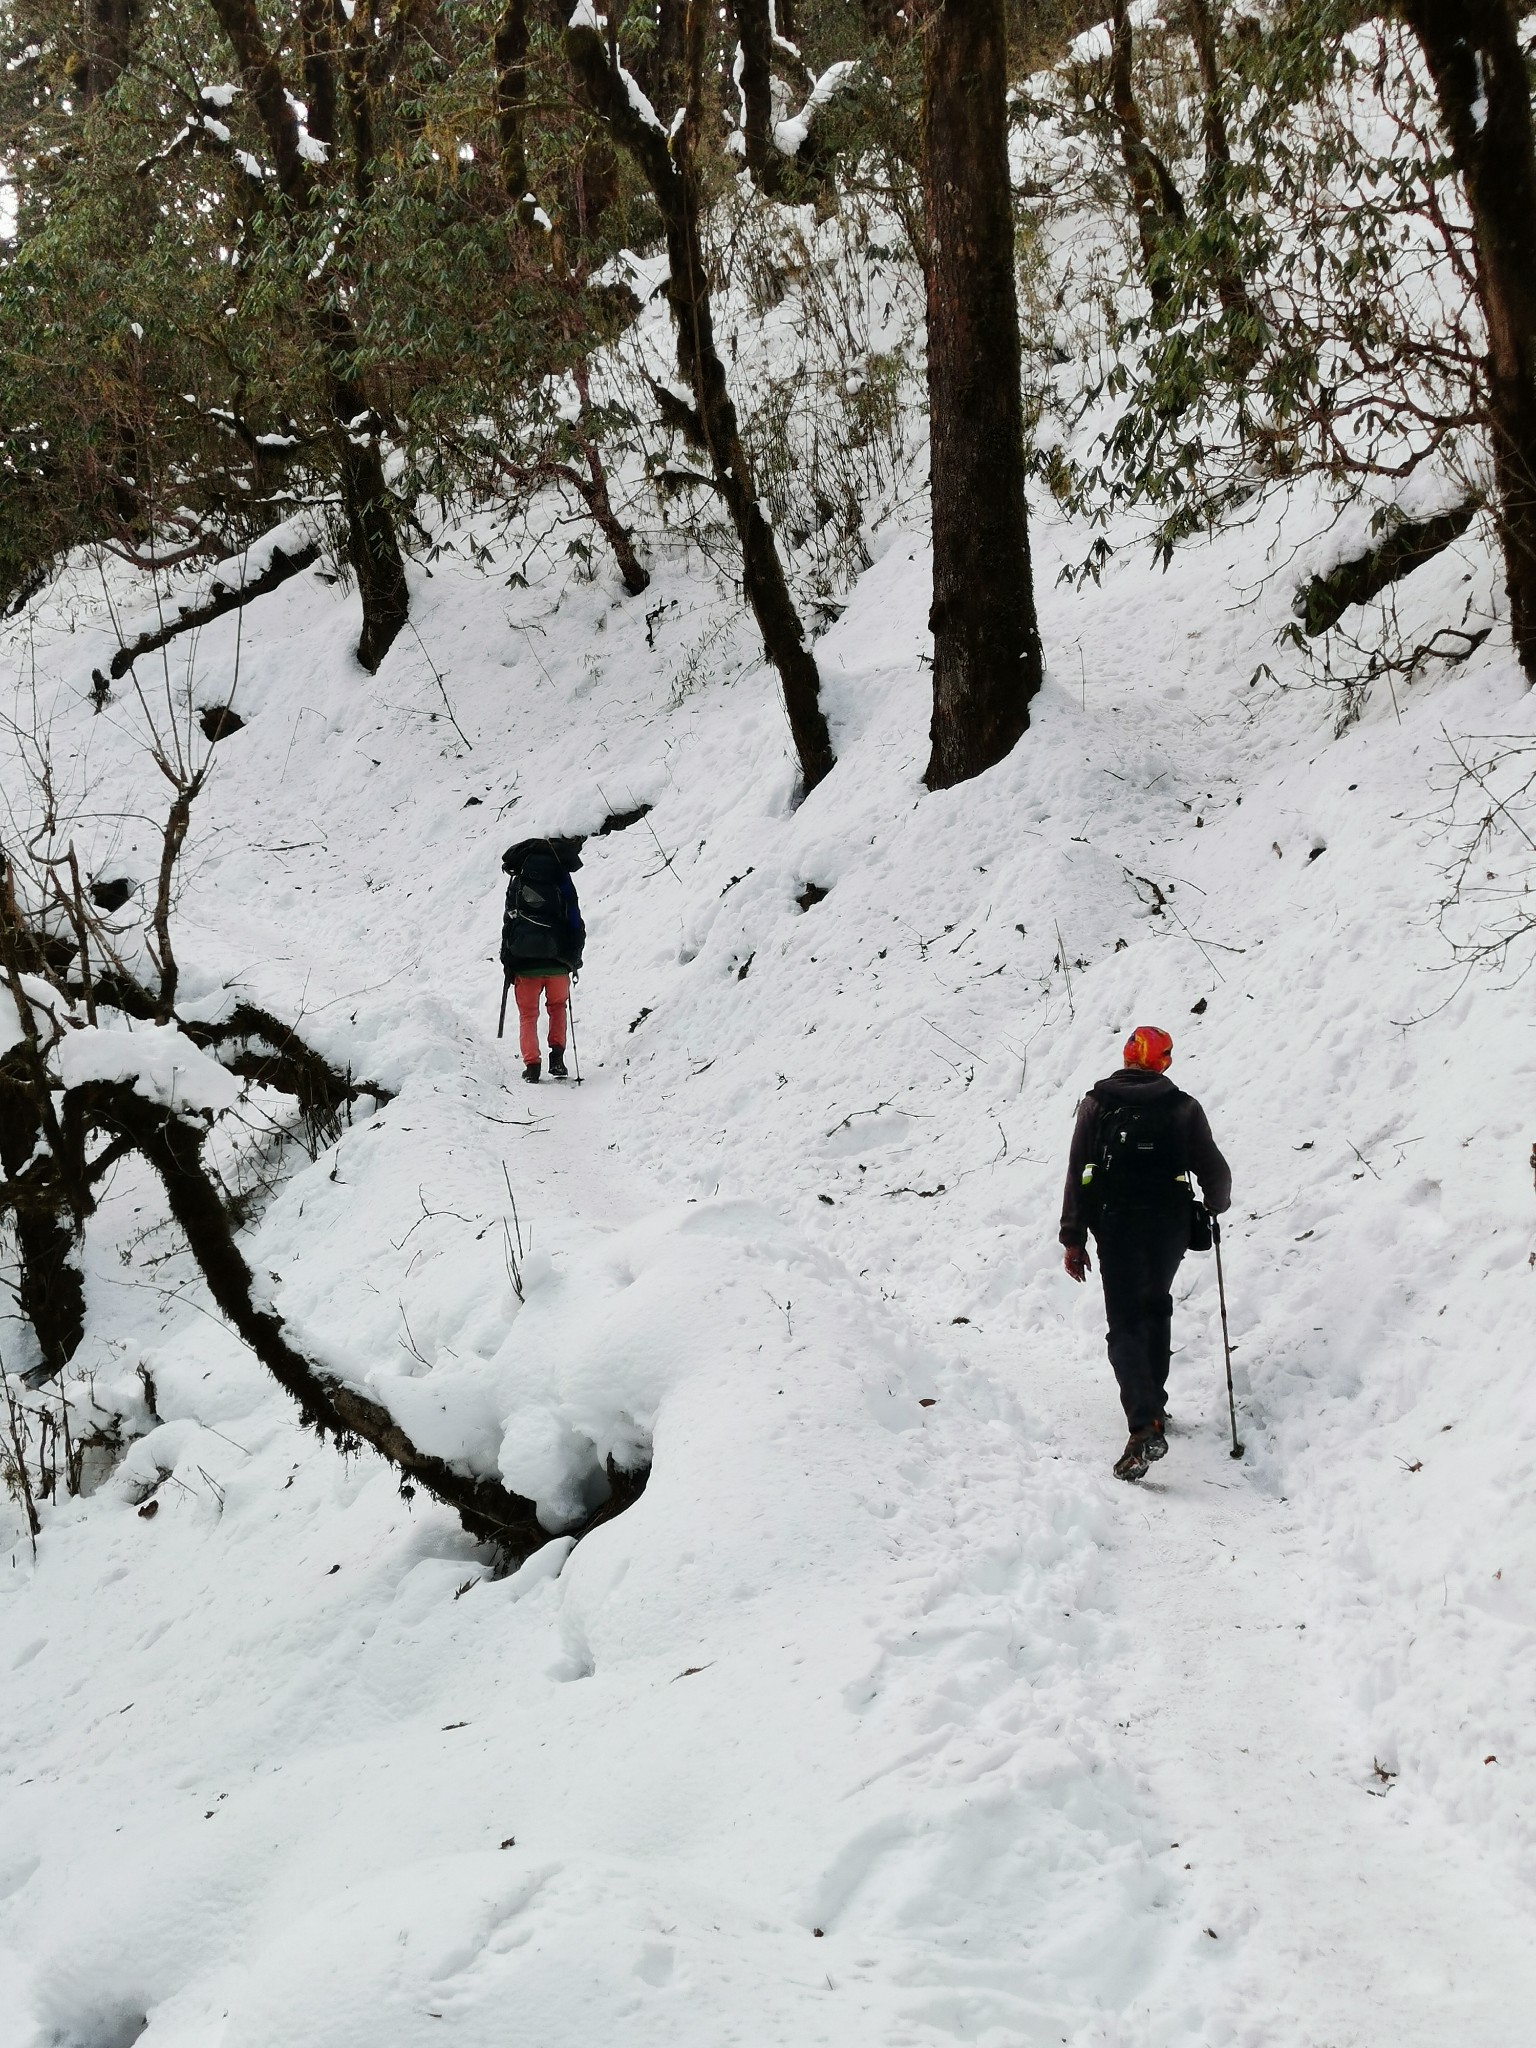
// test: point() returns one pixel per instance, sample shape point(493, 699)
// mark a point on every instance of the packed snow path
point(1043, 1757)
point(282, 1762)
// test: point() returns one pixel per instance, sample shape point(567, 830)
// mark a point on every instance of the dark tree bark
point(47, 1192)
point(109, 26)
point(986, 644)
point(594, 489)
point(373, 546)
point(885, 18)
point(510, 52)
point(1155, 198)
point(317, 23)
point(42, 1157)
point(754, 29)
point(1218, 190)
point(660, 67)
point(670, 169)
point(1205, 31)
point(1407, 544)
point(1483, 87)
point(50, 1290)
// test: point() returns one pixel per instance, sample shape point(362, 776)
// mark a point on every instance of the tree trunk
point(754, 27)
point(1154, 196)
point(1484, 91)
point(1213, 121)
point(317, 24)
point(373, 547)
point(594, 488)
point(109, 26)
point(511, 58)
point(1218, 190)
point(671, 172)
point(50, 1290)
point(223, 597)
point(671, 86)
point(986, 644)
point(42, 1158)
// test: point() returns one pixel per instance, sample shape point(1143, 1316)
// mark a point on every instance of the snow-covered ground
point(886, 1716)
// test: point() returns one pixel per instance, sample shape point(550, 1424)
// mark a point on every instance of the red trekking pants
point(556, 991)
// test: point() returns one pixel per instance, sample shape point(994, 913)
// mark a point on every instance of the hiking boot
point(531, 1071)
point(1143, 1447)
point(1132, 1461)
point(557, 1061)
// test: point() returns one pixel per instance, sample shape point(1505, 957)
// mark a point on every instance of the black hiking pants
point(1139, 1253)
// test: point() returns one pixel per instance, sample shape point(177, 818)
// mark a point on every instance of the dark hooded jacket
point(1136, 1085)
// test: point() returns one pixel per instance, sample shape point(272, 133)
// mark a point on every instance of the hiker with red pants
point(542, 939)
point(1138, 1139)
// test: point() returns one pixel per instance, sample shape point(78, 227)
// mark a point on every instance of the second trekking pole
point(570, 1018)
point(1226, 1342)
point(501, 1021)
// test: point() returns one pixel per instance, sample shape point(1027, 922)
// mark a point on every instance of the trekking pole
point(1226, 1343)
point(570, 1018)
point(501, 1021)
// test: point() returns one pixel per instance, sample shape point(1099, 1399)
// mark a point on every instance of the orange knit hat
point(1150, 1048)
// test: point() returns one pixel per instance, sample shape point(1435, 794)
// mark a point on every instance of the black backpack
point(537, 927)
point(1140, 1162)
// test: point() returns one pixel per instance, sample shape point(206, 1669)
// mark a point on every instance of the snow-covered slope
point(885, 1716)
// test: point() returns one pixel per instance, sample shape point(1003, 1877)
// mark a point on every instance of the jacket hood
point(1134, 1084)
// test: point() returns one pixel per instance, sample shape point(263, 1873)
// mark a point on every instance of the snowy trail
point(1053, 1817)
point(1356, 1919)
point(874, 1722)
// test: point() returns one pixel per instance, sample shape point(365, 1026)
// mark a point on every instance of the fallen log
point(1405, 545)
point(222, 597)
point(172, 1143)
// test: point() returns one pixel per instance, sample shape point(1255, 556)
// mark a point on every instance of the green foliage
point(1320, 315)
point(172, 329)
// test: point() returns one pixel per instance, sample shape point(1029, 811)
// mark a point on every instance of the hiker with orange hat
point(1138, 1139)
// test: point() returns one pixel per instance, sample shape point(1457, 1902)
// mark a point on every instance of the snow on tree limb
point(790, 136)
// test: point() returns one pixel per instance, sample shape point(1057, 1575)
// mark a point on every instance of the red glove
point(1076, 1261)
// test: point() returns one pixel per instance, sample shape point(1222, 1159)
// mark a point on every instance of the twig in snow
point(666, 858)
point(513, 1200)
point(427, 1216)
point(442, 687)
point(514, 1270)
point(1363, 1160)
point(1184, 928)
point(954, 1041)
point(408, 1342)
